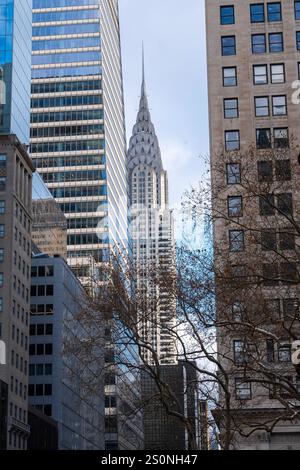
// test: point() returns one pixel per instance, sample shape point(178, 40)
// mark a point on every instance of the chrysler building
point(152, 234)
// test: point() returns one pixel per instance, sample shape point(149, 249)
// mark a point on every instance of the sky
point(173, 33)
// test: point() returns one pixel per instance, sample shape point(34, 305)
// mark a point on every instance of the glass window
point(257, 13)
point(242, 389)
point(232, 140)
point(281, 137)
point(276, 42)
point(279, 105)
point(239, 350)
point(2, 160)
point(231, 108)
point(270, 274)
point(284, 353)
point(228, 45)
point(269, 240)
point(267, 205)
point(262, 106)
point(298, 40)
point(260, 74)
point(259, 43)
point(274, 11)
point(227, 15)
point(277, 73)
point(233, 172)
point(287, 240)
point(2, 207)
point(2, 230)
point(285, 203)
point(283, 170)
point(235, 206)
point(229, 76)
point(297, 10)
point(236, 240)
point(265, 171)
point(263, 138)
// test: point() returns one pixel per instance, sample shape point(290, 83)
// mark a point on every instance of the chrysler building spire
point(143, 145)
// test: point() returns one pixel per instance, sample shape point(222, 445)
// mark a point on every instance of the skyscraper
point(151, 230)
point(15, 218)
point(15, 60)
point(253, 62)
point(77, 122)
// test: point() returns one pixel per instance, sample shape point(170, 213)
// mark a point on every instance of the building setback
point(253, 60)
point(58, 380)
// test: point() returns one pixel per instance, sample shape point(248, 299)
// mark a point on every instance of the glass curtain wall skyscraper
point(77, 123)
point(15, 51)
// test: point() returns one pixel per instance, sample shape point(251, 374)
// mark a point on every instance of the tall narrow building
point(253, 65)
point(77, 123)
point(15, 220)
point(151, 230)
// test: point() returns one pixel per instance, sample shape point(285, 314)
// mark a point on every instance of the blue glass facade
point(15, 63)
point(77, 122)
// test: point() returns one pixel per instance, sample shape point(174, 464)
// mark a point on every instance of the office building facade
point(15, 63)
point(253, 64)
point(58, 379)
point(77, 123)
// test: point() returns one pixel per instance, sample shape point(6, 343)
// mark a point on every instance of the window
point(233, 172)
point(297, 10)
point(2, 161)
point(236, 240)
point(287, 240)
point(257, 13)
point(229, 76)
point(2, 207)
point(2, 183)
point(285, 203)
point(268, 240)
point(260, 74)
point(262, 106)
point(228, 45)
point(227, 15)
point(263, 138)
point(238, 311)
point(283, 170)
point(239, 351)
point(289, 273)
point(1, 255)
point(281, 138)
point(274, 12)
point(272, 307)
point(1, 279)
point(270, 350)
point(242, 389)
point(298, 40)
point(277, 73)
point(275, 42)
point(267, 205)
point(270, 274)
point(231, 108)
point(265, 171)
point(279, 105)
point(284, 353)
point(2, 230)
point(235, 206)
point(259, 43)
point(291, 309)
point(232, 140)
